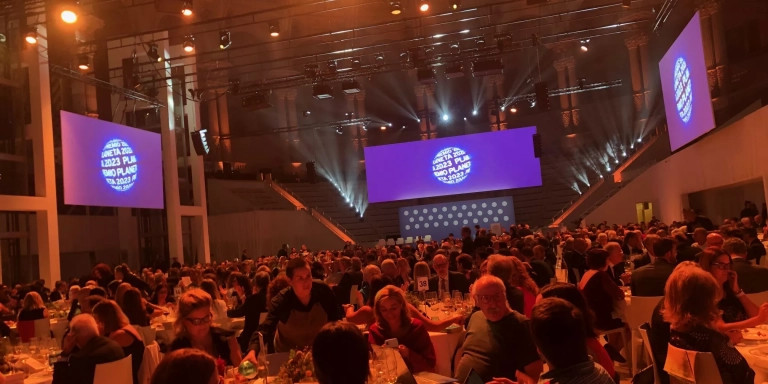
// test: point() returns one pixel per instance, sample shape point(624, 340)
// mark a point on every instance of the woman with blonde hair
point(32, 308)
point(690, 306)
point(194, 330)
point(394, 322)
point(522, 280)
point(114, 324)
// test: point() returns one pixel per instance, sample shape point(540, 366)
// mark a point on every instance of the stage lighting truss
point(153, 53)
point(508, 102)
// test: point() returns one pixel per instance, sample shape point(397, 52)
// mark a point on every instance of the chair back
point(26, 330)
point(759, 297)
point(643, 329)
point(640, 310)
point(686, 366)
point(43, 328)
point(115, 372)
point(149, 363)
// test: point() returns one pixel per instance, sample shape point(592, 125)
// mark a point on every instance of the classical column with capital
point(636, 71)
point(715, 54)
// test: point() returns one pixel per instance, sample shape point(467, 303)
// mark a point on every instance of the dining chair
point(152, 357)
point(115, 372)
point(686, 366)
point(643, 329)
point(639, 310)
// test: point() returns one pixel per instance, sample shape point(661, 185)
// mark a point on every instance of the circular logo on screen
point(451, 165)
point(118, 165)
point(683, 93)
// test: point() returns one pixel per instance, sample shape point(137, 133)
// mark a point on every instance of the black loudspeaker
point(311, 172)
point(536, 145)
point(542, 96)
point(200, 142)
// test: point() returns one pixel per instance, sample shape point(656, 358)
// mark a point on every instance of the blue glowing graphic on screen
point(684, 85)
point(452, 165)
point(119, 165)
point(479, 162)
point(683, 93)
point(110, 165)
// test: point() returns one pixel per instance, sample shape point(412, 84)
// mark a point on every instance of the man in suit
point(615, 262)
point(649, 280)
point(446, 281)
point(89, 349)
point(576, 260)
point(752, 279)
point(353, 275)
point(755, 249)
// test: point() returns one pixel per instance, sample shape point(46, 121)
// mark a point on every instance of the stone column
point(632, 44)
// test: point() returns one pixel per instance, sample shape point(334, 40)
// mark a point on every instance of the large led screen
point(452, 165)
point(439, 220)
point(685, 88)
point(111, 165)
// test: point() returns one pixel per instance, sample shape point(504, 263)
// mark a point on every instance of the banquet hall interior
point(152, 132)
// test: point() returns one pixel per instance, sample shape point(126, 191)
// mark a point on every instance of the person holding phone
point(738, 311)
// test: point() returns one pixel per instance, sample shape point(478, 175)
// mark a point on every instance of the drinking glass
point(431, 298)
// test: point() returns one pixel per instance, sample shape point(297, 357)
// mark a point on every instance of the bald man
point(89, 349)
point(714, 240)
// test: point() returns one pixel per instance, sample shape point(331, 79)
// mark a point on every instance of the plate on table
point(754, 334)
point(763, 327)
point(760, 351)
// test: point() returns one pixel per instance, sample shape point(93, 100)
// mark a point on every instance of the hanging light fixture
point(225, 39)
point(395, 8)
point(186, 8)
point(424, 5)
point(189, 44)
point(274, 29)
point(83, 62)
point(69, 12)
point(31, 36)
point(584, 45)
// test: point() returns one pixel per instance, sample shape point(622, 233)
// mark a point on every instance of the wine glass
point(431, 298)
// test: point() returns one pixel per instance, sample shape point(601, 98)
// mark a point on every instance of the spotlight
point(69, 13)
point(350, 86)
point(465, 119)
point(513, 109)
point(355, 63)
point(455, 5)
point(322, 91)
point(274, 29)
point(474, 112)
point(153, 54)
point(626, 3)
point(340, 130)
point(186, 8)
point(332, 66)
point(189, 44)
point(584, 45)
point(31, 36)
point(395, 8)
point(424, 5)
point(225, 39)
point(307, 113)
point(446, 117)
point(383, 128)
point(83, 62)
point(639, 139)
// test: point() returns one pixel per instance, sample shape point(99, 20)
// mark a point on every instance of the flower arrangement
point(298, 368)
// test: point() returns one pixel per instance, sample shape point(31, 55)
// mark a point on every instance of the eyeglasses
point(488, 298)
point(722, 266)
point(199, 320)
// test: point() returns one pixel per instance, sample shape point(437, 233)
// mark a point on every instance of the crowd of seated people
point(287, 299)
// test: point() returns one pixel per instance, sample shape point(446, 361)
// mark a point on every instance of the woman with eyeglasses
point(738, 311)
point(194, 330)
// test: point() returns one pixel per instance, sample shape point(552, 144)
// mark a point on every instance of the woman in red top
point(393, 321)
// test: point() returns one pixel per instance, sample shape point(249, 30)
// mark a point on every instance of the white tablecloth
point(445, 345)
point(757, 363)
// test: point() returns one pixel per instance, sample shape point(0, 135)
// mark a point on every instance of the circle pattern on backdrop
point(683, 90)
point(119, 165)
point(451, 165)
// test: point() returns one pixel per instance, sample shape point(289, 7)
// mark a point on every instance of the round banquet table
point(445, 346)
point(757, 361)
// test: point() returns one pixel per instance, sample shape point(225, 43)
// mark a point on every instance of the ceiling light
point(339, 129)
point(424, 5)
point(274, 29)
point(153, 54)
point(455, 5)
point(189, 44)
point(626, 3)
point(474, 112)
point(513, 109)
point(31, 36)
point(395, 8)
point(383, 128)
point(322, 91)
point(69, 13)
point(446, 117)
point(186, 8)
point(83, 62)
point(225, 39)
point(584, 45)
point(307, 113)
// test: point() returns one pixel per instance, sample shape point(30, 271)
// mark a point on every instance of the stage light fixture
point(513, 109)
point(153, 53)
point(274, 29)
point(446, 117)
point(69, 13)
point(474, 112)
point(189, 44)
point(322, 91)
point(395, 8)
point(355, 63)
point(83, 62)
point(332, 66)
point(339, 129)
point(423, 5)
point(31, 36)
point(307, 113)
point(225, 39)
point(455, 5)
point(383, 128)
point(584, 45)
point(186, 8)
point(626, 3)
point(311, 70)
point(350, 86)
